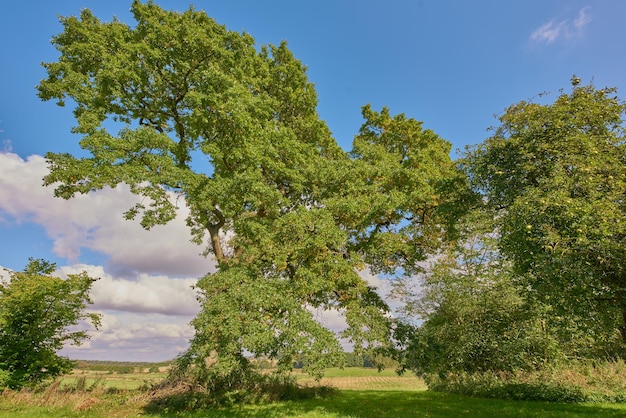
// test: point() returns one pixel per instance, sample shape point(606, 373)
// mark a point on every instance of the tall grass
point(581, 381)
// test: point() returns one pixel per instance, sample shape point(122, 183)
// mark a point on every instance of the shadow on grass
point(389, 404)
point(189, 403)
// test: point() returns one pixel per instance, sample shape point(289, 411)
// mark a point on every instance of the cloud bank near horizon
point(144, 289)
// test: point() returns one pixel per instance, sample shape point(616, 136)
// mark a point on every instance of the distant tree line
point(352, 359)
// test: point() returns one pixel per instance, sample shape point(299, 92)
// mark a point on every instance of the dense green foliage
point(37, 315)
point(536, 279)
point(586, 381)
point(525, 234)
point(475, 315)
point(205, 115)
point(554, 176)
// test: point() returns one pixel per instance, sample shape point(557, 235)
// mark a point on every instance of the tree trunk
point(214, 232)
point(216, 243)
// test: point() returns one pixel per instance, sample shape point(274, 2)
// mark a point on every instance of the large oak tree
point(178, 106)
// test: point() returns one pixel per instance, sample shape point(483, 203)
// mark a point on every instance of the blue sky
point(451, 64)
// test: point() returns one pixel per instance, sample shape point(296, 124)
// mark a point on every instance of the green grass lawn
point(393, 396)
point(349, 403)
point(396, 404)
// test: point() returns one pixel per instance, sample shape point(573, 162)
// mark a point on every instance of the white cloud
point(383, 288)
point(95, 221)
point(331, 319)
point(144, 291)
point(143, 294)
point(554, 29)
point(548, 32)
point(5, 274)
point(135, 337)
point(146, 319)
point(582, 19)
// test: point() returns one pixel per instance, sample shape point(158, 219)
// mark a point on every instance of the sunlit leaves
point(38, 315)
point(557, 175)
point(403, 195)
point(178, 106)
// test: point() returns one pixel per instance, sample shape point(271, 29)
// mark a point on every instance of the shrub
point(184, 394)
point(38, 315)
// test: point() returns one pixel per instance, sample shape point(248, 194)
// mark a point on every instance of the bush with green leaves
point(38, 315)
point(537, 282)
point(474, 316)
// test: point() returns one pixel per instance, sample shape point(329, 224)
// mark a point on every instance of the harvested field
point(366, 379)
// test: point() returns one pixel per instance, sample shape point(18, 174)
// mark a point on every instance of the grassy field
point(356, 378)
point(362, 393)
point(125, 381)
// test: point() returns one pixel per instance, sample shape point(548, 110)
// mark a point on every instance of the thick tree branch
point(214, 232)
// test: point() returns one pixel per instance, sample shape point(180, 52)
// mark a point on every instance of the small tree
point(37, 311)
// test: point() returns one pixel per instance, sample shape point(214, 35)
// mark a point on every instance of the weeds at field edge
point(583, 382)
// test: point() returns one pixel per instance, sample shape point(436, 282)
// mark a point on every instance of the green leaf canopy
point(556, 173)
point(202, 113)
point(38, 315)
